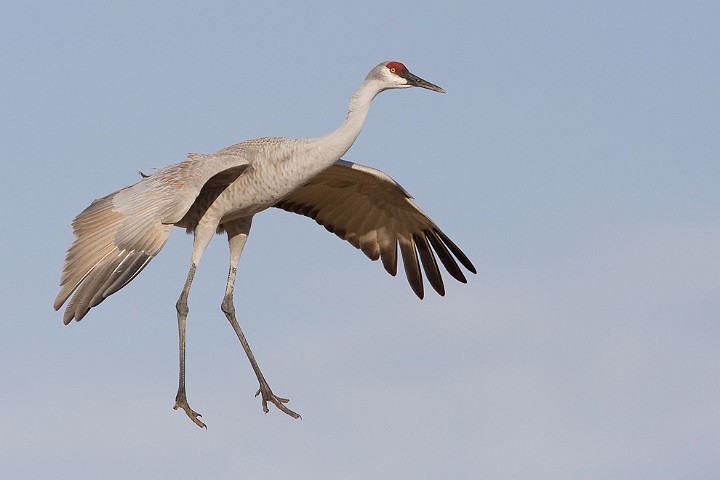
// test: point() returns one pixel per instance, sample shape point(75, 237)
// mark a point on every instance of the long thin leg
point(203, 234)
point(182, 312)
point(237, 236)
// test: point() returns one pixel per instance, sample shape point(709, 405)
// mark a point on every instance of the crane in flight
point(118, 235)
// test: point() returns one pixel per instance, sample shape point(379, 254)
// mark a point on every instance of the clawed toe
point(181, 402)
point(279, 402)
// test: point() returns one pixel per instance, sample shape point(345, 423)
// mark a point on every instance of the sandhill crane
point(118, 235)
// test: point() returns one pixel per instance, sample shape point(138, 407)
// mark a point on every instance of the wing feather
point(412, 268)
point(445, 257)
point(432, 272)
point(118, 235)
point(375, 214)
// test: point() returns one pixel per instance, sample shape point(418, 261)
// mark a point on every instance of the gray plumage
point(119, 234)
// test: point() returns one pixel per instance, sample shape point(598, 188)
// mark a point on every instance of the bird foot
point(269, 396)
point(181, 402)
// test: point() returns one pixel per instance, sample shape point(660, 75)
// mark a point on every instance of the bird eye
point(397, 68)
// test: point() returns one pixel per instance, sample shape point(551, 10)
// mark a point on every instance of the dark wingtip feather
point(412, 268)
point(456, 251)
point(445, 256)
point(432, 272)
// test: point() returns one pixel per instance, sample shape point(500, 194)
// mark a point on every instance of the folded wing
point(376, 215)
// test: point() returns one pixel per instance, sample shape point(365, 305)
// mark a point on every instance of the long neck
point(340, 141)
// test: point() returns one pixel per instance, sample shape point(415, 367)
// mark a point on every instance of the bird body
point(119, 234)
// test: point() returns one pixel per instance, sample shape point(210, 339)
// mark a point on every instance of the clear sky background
point(574, 159)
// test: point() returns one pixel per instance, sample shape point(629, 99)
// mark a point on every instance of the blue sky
point(574, 159)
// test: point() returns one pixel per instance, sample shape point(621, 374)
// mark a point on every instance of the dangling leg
point(237, 232)
point(202, 238)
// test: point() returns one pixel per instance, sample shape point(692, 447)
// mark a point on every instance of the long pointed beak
point(415, 81)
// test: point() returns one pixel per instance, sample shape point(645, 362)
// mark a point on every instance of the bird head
point(396, 75)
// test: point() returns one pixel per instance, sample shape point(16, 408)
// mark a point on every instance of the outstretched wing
point(375, 214)
point(118, 235)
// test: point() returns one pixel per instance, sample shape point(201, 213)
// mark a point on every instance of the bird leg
point(182, 312)
point(237, 236)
